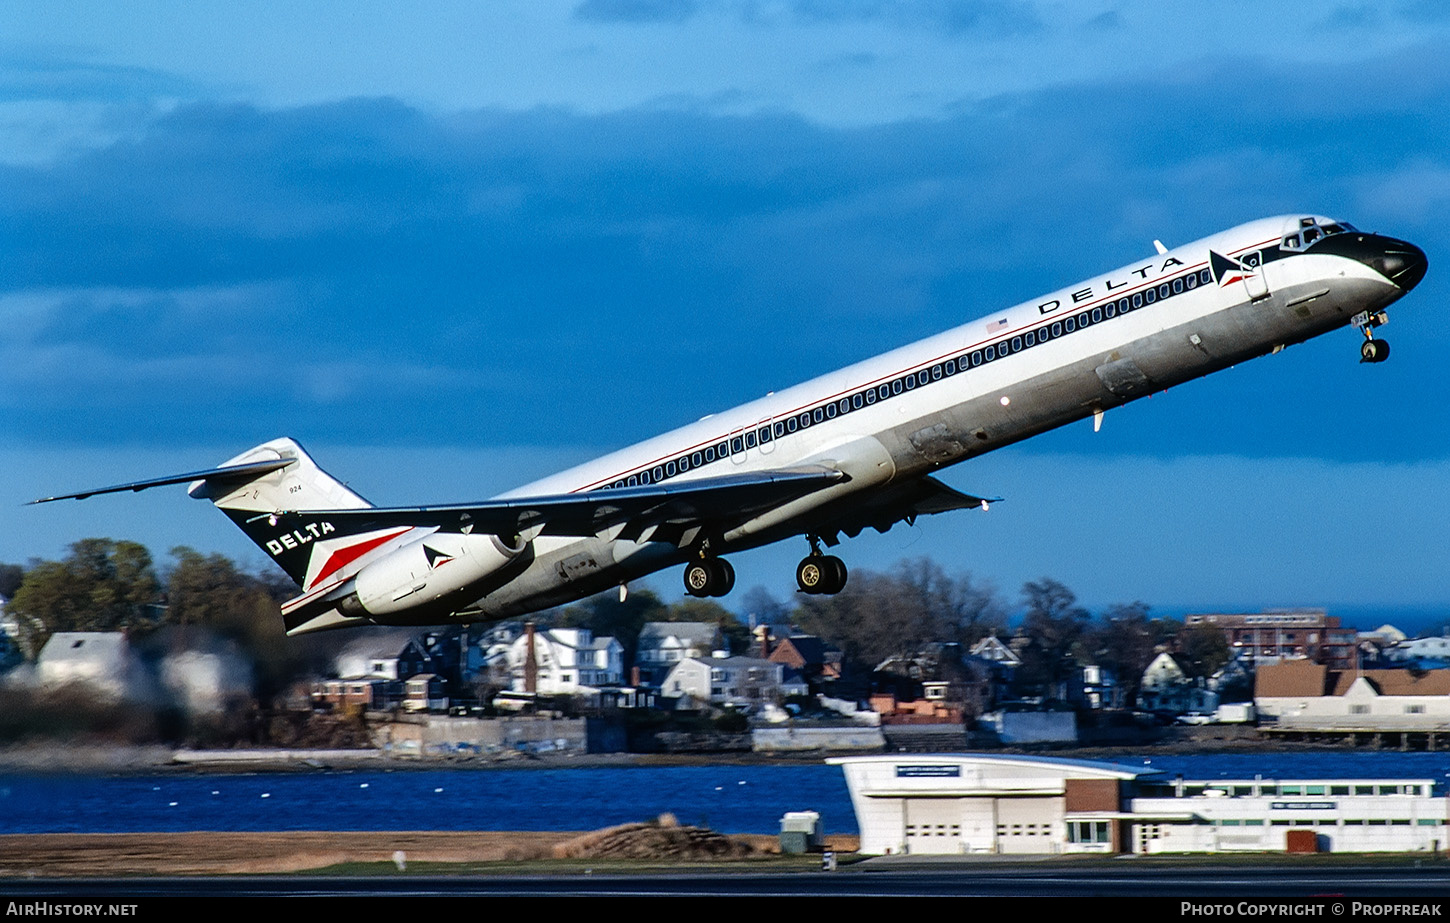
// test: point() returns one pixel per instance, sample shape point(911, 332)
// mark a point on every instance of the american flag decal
point(996, 325)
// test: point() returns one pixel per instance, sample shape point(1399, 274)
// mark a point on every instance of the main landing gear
point(1371, 350)
point(819, 573)
point(709, 576)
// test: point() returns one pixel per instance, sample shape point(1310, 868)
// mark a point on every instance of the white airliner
point(832, 456)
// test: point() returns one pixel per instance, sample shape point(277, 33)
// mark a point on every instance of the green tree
point(1125, 640)
point(1203, 650)
point(1054, 625)
point(882, 615)
point(102, 585)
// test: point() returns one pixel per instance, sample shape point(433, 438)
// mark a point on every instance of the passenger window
point(989, 353)
point(831, 411)
point(736, 445)
point(750, 439)
point(1163, 290)
point(1150, 296)
point(871, 396)
point(1097, 314)
point(669, 469)
point(633, 480)
point(910, 381)
point(923, 377)
point(844, 404)
point(695, 460)
point(857, 400)
point(1069, 325)
point(935, 372)
point(977, 358)
point(1137, 299)
point(896, 386)
point(658, 473)
point(1122, 306)
point(1016, 344)
point(818, 415)
point(710, 454)
point(1057, 329)
point(1192, 280)
point(1177, 286)
point(1111, 309)
point(779, 430)
point(791, 425)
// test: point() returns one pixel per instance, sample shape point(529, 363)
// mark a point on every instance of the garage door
point(1028, 825)
point(933, 826)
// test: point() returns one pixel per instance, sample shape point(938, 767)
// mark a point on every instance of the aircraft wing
point(902, 502)
point(671, 512)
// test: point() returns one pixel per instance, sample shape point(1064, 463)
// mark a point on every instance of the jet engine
point(427, 570)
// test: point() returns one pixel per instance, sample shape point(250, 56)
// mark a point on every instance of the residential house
point(816, 659)
point(664, 644)
point(372, 670)
point(1166, 687)
point(564, 661)
point(745, 683)
point(101, 661)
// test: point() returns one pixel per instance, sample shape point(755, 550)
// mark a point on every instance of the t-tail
point(267, 491)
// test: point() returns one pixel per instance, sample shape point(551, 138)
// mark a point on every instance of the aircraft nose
point(1400, 261)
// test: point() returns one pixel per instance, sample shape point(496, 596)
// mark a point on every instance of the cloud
point(369, 263)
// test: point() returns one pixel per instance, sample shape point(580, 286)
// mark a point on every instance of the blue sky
point(454, 246)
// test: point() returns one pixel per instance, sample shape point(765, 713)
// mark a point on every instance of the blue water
point(731, 799)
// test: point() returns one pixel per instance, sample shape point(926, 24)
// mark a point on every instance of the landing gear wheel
point(821, 574)
point(837, 567)
point(709, 577)
point(810, 574)
point(1374, 351)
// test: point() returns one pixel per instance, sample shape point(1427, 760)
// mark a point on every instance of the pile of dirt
point(660, 839)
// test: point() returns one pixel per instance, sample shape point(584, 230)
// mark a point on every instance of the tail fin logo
point(436, 558)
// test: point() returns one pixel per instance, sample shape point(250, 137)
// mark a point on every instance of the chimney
point(531, 663)
point(762, 634)
point(634, 676)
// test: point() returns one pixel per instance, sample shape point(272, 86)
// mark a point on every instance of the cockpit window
point(1311, 229)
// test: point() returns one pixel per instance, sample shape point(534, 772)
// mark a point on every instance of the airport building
point(989, 804)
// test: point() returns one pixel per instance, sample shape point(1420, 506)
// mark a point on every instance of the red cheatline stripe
point(345, 556)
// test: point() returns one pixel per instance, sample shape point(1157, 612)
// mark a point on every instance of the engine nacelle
point(429, 569)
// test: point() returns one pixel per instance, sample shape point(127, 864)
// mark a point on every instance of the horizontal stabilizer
point(244, 472)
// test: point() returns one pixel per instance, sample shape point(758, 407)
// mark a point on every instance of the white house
point(664, 644)
point(101, 660)
point(568, 661)
point(1166, 687)
point(743, 682)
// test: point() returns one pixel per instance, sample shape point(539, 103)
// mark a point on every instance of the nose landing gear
point(819, 573)
point(1371, 350)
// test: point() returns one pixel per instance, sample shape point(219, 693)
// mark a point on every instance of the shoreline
point(52, 758)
